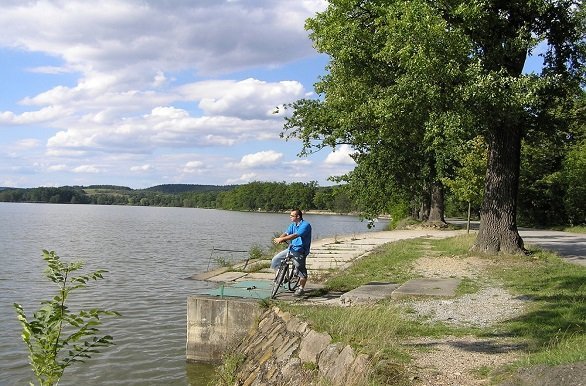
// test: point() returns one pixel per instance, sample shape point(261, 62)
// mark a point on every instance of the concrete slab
point(331, 257)
point(427, 287)
point(368, 293)
point(236, 292)
point(312, 293)
point(252, 284)
point(338, 247)
point(209, 274)
point(323, 264)
point(349, 253)
point(227, 276)
point(259, 276)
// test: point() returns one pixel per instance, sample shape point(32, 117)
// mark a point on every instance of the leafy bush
point(56, 337)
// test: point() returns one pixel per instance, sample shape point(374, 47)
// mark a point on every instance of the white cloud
point(249, 98)
point(247, 177)
point(193, 167)
point(87, 169)
point(57, 168)
point(261, 159)
point(28, 143)
point(30, 117)
point(300, 162)
point(340, 156)
point(118, 36)
point(141, 168)
point(124, 86)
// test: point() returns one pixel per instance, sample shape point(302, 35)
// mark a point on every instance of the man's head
point(296, 215)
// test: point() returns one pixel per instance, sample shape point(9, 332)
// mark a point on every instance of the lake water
point(148, 252)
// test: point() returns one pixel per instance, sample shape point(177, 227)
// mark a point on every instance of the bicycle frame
point(287, 273)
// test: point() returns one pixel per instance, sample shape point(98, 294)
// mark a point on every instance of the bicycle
point(287, 273)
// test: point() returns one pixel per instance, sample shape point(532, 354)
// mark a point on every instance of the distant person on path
point(299, 233)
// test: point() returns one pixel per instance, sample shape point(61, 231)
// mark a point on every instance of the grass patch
point(376, 330)
point(553, 326)
point(388, 263)
point(467, 286)
point(557, 316)
point(573, 229)
point(454, 246)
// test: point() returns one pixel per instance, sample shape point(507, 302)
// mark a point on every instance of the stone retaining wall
point(284, 350)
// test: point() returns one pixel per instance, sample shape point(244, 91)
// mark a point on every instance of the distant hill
point(185, 188)
point(107, 187)
point(5, 187)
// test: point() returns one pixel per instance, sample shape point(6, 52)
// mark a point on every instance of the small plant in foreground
point(56, 337)
point(227, 372)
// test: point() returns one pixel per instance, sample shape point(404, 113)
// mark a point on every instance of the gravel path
point(461, 360)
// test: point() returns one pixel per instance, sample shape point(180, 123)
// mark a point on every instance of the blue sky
point(146, 92)
point(141, 93)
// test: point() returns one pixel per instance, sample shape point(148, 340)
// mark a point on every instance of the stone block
point(288, 347)
point(359, 370)
point(338, 373)
point(427, 287)
point(312, 346)
point(368, 293)
point(328, 357)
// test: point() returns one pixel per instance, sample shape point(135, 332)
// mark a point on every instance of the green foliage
point(574, 176)
point(185, 188)
point(467, 183)
point(225, 374)
point(55, 336)
point(264, 196)
point(410, 82)
point(400, 213)
point(256, 252)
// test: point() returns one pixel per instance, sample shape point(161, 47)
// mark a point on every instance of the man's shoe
point(299, 292)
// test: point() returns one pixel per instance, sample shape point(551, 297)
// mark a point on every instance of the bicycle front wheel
point(281, 273)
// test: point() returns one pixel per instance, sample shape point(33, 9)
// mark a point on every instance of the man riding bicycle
point(299, 233)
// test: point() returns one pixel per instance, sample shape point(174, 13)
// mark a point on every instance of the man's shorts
point(298, 260)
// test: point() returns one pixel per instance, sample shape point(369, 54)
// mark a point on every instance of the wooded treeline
point(255, 196)
point(550, 195)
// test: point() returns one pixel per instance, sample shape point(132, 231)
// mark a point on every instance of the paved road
point(571, 246)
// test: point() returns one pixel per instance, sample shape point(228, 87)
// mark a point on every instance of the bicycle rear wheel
point(293, 278)
point(283, 270)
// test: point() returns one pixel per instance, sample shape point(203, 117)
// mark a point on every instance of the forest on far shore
point(254, 196)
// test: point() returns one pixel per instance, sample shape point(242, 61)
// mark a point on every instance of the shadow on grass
point(485, 346)
point(559, 306)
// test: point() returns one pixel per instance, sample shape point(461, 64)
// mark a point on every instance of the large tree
point(407, 81)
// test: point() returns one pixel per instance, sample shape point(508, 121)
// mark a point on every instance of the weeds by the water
point(225, 374)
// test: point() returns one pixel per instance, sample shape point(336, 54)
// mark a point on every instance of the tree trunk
point(468, 222)
point(425, 205)
point(498, 216)
point(436, 210)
